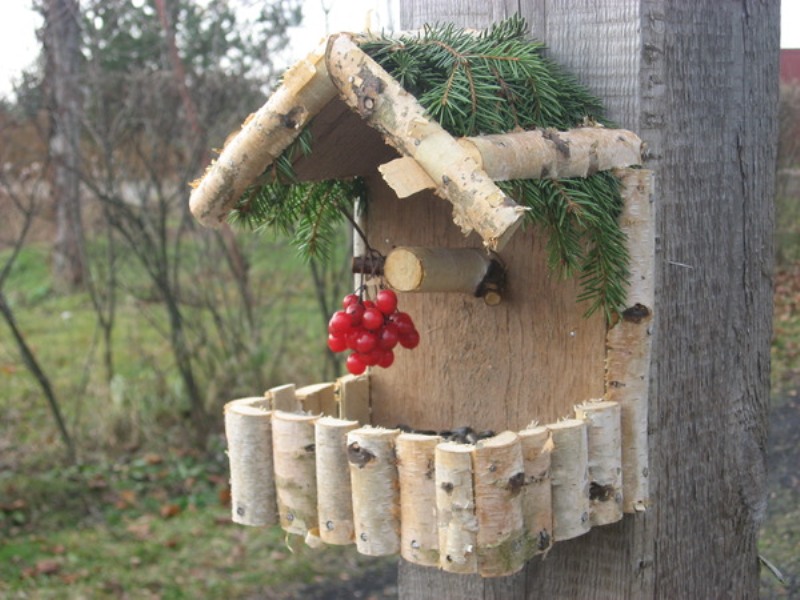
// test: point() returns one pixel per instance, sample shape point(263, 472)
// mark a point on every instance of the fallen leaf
point(47, 566)
point(153, 459)
point(18, 504)
point(169, 510)
point(141, 528)
point(125, 499)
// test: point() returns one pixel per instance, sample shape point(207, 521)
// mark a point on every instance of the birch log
point(295, 472)
point(416, 459)
point(334, 492)
point(354, 399)
point(538, 154)
point(537, 509)
point(499, 481)
point(248, 429)
point(318, 398)
point(284, 397)
point(414, 269)
point(305, 90)
point(569, 479)
point(629, 341)
point(455, 507)
point(605, 460)
point(478, 204)
point(376, 494)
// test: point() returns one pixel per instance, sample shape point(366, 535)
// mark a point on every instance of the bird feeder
point(566, 395)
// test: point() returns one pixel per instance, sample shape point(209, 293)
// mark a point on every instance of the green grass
point(153, 524)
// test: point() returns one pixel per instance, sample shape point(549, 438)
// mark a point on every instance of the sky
point(19, 45)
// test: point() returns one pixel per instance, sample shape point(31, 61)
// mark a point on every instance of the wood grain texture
point(687, 77)
point(533, 356)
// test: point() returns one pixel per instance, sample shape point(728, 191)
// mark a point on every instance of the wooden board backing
point(533, 356)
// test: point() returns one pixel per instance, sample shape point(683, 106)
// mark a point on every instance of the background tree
point(698, 82)
point(61, 41)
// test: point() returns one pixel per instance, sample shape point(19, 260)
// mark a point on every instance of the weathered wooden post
point(697, 81)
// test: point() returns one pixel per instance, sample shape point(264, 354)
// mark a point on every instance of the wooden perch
point(305, 89)
point(353, 394)
point(295, 472)
point(455, 507)
point(419, 539)
point(569, 479)
point(478, 204)
point(334, 493)
point(248, 429)
point(629, 341)
point(605, 460)
point(537, 510)
point(376, 498)
point(538, 154)
point(499, 482)
point(466, 270)
point(319, 398)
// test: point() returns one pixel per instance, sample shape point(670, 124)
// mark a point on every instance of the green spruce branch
point(495, 81)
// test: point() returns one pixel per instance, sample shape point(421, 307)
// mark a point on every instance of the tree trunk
point(698, 82)
point(62, 47)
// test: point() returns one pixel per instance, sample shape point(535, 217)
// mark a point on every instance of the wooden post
point(295, 472)
point(605, 460)
point(499, 482)
point(376, 497)
point(416, 459)
point(334, 492)
point(455, 507)
point(569, 479)
point(537, 509)
point(354, 400)
point(284, 398)
point(318, 398)
point(248, 429)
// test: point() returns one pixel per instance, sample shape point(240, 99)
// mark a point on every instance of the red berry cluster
point(371, 330)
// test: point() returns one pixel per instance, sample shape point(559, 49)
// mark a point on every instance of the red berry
point(410, 340)
point(337, 343)
point(388, 336)
point(352, 338)
point(386, 301)
point(340, 323)
point(372, 319)
point(371, 358)
point(350, 299)
point(404, 323)
point(366, 342)
point(356, 311)
point(387, 359)
point(355, 364)
point(369, 304)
